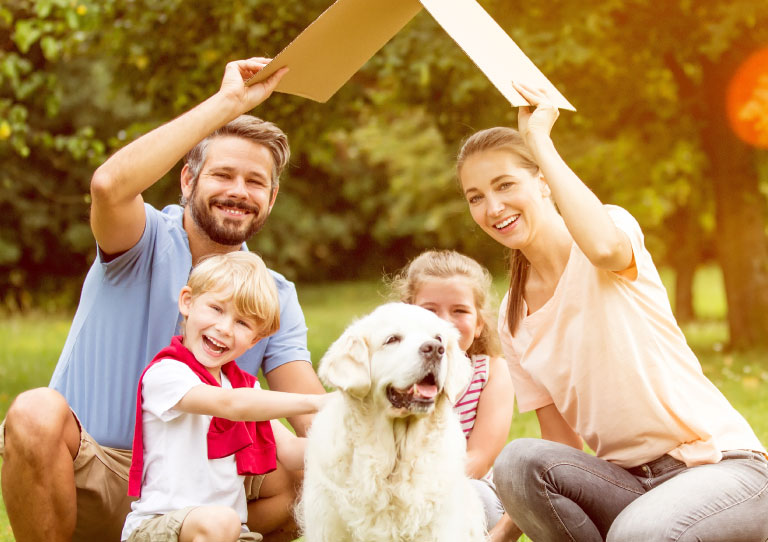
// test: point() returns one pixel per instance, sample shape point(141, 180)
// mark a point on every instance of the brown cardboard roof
point(337, 44)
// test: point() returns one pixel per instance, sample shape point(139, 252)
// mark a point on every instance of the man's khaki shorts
point(166, 528)
point(101, 479)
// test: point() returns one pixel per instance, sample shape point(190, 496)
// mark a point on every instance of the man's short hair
point(253, 129)
point(243, 276)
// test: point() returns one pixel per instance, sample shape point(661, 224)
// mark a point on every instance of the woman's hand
point(538, 123)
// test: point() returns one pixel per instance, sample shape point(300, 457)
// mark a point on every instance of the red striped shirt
point(466, 406)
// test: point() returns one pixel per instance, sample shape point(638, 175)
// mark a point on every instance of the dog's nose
point(432, 350)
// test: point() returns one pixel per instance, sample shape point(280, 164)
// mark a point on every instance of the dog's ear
point(346, 365)
point(459, 371)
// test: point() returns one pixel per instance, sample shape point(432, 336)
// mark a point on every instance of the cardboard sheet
point(491, 49)
point(337, 44)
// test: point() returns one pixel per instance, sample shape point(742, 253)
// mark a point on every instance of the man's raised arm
point(117, 208)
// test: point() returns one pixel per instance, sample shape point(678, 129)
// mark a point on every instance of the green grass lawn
point(31, 345)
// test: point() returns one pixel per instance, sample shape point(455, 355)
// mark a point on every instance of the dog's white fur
point(378, 473)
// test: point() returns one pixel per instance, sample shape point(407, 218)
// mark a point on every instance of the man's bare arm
point(117, 209)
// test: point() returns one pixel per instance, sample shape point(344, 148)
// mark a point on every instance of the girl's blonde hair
point(249, 284)
point(444, 264)
point(508, 139)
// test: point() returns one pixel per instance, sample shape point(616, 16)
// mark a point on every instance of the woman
point(594, 349)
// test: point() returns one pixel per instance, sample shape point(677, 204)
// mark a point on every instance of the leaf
point(43, 8)
point(51, 47)
point(10, 252)
point(27, 33)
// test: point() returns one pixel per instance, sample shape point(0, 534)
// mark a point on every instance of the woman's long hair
point(510, 140)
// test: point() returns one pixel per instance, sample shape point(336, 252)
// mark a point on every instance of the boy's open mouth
point(214, 345)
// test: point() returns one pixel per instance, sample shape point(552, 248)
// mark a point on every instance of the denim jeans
point(557, 493)
point(486, 490)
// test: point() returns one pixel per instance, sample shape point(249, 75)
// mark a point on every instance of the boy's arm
point(296, 377)
point(290, 448)
point(248, 404)
point(117, 208)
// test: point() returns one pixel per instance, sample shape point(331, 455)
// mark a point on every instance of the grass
point(31, 346)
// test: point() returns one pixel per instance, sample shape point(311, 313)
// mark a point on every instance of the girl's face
point(452, 299)
point(505, 199)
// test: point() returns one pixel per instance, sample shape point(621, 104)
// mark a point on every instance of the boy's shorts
point(101, 479)
point(165, 528)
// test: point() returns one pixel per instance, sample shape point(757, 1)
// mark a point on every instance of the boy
point(192, 445)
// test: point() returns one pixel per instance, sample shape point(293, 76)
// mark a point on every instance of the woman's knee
point(520, 458)
point(514, 469)
point(38, 418)
point(627, 531)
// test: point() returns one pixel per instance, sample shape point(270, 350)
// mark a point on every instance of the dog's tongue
point(427, 391)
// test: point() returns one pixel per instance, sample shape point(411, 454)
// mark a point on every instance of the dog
point(385, 459)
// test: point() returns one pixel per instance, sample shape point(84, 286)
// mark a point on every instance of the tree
point(47, 144)
point(371, 181)
point(655, 75)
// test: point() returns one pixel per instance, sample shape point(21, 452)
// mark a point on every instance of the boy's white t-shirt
point(177, 471)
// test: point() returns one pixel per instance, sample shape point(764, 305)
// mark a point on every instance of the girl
point(457, 289)
point(593, 348)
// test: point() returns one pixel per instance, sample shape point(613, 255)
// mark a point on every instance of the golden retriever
point(385, 459)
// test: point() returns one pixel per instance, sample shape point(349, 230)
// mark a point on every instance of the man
point(66, 447)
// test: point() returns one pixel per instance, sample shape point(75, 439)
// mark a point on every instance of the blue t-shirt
point(129, 311)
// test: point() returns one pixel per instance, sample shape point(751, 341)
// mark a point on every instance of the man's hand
point(247, 97)
point(117, 208)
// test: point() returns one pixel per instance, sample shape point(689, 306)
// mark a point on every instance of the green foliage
point(47, 147)
point(371, 181)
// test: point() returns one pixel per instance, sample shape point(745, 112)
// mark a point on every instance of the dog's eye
point(392, 339)
point(438, 338)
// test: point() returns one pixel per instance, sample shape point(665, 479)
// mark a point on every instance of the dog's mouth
point(418, 398)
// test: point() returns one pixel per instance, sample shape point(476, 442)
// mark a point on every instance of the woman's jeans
point(556, 493)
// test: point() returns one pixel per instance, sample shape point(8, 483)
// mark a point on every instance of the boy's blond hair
point(251, 286)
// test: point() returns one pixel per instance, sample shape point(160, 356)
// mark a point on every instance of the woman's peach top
point(607, 351)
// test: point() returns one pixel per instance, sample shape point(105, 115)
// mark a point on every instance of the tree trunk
point(742, 246)
point(683, 255)
point(684, 291)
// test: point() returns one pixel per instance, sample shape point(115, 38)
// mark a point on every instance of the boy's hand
point(326, 398)
point(238, 72)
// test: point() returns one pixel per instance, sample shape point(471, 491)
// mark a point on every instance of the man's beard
point(228, 232)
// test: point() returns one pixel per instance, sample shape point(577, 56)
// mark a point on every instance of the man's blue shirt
point(129, 311)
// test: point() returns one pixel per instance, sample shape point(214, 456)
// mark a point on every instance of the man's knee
point(38, 419)
point(282, 482)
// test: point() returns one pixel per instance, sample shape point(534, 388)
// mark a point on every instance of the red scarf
point(252, 442)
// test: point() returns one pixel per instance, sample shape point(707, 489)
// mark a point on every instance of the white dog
point(385, 459)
